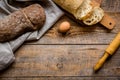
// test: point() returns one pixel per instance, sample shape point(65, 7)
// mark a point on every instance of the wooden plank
point(83, 38)
point(79, 34)
point(61, 60)
point(111, 5)
point(50, 78)
point(64, 78)
point(107, 78)
point(94, 28)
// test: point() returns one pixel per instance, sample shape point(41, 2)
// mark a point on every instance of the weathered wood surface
point(111, 5)
point(71, 56)
point(78, 34)
point(61, 60)
point(50, 78)
point(65, 78)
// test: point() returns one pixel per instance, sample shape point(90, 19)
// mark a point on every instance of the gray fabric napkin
point(53, 13)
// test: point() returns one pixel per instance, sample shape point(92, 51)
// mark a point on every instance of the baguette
point(83, 10)
point(27, 19)
point(69, 6)
point(96, 16)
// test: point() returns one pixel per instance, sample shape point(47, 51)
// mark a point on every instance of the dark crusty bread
point(35, 13)
point(24, 20)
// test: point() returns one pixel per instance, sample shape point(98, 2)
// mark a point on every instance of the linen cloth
point(7, 49)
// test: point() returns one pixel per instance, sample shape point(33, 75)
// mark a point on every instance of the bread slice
point(96, 16)
point(84, 10)
point(59, 2)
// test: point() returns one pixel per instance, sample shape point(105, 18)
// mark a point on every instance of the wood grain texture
point(79, 34)
point(111, 5)
point(107, 78)
point(64, 78)
point(70, 56)
point(50, 78)
point(61, 60)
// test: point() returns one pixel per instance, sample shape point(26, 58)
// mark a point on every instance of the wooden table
point(70, 56)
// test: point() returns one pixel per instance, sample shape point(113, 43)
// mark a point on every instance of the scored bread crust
point(19, 22)
point(96, 16)
point(69, 5)
point(36, 14)
point(84, 10)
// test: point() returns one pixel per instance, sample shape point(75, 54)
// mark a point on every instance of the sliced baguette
point(72, 5)
point(96, 16)
point(87, 11)
point(69, 5)
point(84, 10)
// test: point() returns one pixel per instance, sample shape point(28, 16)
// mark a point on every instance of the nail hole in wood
point(110, 23)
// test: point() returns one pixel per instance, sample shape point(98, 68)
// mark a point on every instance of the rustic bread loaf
point(35, 13)
point(79, 8)
point(83, 10)
point(96, 16)
point(69, 5)
point(24, 20)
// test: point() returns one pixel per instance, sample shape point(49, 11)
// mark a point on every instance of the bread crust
point(96, 16)
point(82, 10)
point(93, 4)
point(69, 5)
point(72, 5)
point(18, 22)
